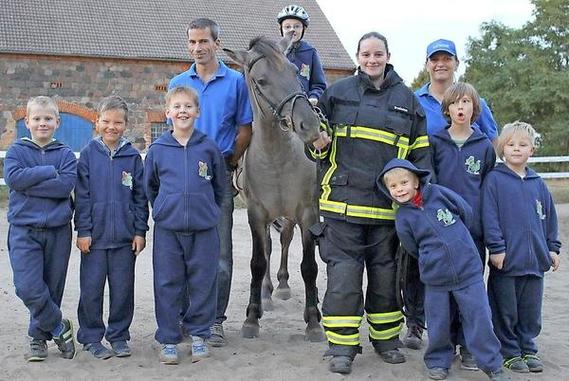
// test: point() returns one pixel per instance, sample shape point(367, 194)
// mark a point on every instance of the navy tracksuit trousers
point(516, 312)
point(39, 259)
point(116, 265)
point(184, 261)
point(476, 324)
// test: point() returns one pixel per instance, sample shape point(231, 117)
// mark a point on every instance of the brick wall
point(78, 84)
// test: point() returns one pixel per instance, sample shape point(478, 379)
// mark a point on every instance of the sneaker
point(437, 373)
point(413, 337)
point(65, 341)
point(200, 350)
point(169, 354)
point(467, 360)
point(534, 363)
point(38, 350)
point(217, 338)
point(340, 364)
point(392, 356)
point(121, 348)
point(498, 375)
point(98, 350)
point(516, 364)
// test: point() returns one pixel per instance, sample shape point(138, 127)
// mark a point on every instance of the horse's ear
point(286, 42)
point(237, 56)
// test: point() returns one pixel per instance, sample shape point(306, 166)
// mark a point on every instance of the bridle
point(285, 122)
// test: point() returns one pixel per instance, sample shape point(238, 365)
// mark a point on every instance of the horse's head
point(274, 88)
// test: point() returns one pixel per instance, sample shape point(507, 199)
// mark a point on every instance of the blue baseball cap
point(441, 45)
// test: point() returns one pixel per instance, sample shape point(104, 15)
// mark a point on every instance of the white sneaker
point(200, 350)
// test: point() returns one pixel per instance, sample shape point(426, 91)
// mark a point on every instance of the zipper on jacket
point(44, 224)
point(186, 192)
point(112, 190)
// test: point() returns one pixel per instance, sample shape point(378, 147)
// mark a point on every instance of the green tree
point(420, 79)
point(524, 73)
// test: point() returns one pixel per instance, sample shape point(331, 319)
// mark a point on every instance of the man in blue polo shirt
point(225, 117)
point(441, 64)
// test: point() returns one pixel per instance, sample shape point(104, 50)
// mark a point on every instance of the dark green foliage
point(524, 73)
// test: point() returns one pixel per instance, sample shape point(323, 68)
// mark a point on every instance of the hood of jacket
point(424, 175)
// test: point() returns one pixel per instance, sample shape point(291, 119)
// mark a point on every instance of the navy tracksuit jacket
point(520, 220)
point(40, 207)
point(449, 265)
point(184, 185)
point(111, 208)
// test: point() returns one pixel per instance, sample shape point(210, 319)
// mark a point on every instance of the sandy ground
point(280, 353)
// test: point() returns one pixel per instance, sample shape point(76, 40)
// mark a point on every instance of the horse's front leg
point(309, 270)
point(254, 311)
point(267, 286)
point(287, 234)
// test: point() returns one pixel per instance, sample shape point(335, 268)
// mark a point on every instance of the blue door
point(73, 131)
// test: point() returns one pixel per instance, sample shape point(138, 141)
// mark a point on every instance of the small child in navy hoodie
point(520, 231)
point(293, 18)
point(462, 157)
point(41, 173)
point(431, 223)
point(111, 221)
point(184, 178)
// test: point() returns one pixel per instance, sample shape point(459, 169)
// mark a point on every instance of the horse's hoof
point(315, 334)
point(267, 304)
point(249, 330)
point(283, 293)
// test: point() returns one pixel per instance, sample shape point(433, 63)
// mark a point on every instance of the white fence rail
point(543, 159)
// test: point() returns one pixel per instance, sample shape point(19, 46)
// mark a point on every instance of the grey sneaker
point(98, 350)
point(437, 373)
point(38, 350)
point(413, 338)
point(467, 360)
point(169, 354)
point(65, 341)
point(516, 364)
point(534, 363)
point(217, 338)
point(498, 375)
point(121, 348)
point(200, 350)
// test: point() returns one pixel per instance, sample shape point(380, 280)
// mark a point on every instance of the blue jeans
point(225, 267)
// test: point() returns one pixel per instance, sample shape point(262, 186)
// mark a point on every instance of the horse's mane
point(268, 49)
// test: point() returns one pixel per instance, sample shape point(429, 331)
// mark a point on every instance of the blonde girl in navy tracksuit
point(462, 157)
point(41, 173)
point(111, 222)
point(184, 178)
point(431, 223)
point(520, 231)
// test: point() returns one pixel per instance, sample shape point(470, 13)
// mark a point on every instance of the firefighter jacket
point(369, 127)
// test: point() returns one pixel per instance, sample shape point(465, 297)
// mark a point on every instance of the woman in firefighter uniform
point(374, 118)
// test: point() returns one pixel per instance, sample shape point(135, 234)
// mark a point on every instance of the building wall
point(78, 84)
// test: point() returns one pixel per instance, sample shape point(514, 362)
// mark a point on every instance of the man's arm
point(241, 143)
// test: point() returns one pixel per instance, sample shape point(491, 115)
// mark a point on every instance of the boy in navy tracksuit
point(184, 177)
point(41, 173)
point(431, 223)
point(520, 231)
point(462, 157)
point(293, 18)
point(111, 222)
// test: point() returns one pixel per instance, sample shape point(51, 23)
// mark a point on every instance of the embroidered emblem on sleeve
point(539, 210)
point(127, 179)
point(305, 71)
point(446, 217)
point(472, 165)
point(202, 170)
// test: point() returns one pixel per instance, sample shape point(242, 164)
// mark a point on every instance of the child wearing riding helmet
point(301, 53)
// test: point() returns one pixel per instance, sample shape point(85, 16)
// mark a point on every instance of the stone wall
point(78, 84)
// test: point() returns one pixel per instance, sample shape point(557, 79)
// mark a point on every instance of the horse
point(278, 179)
